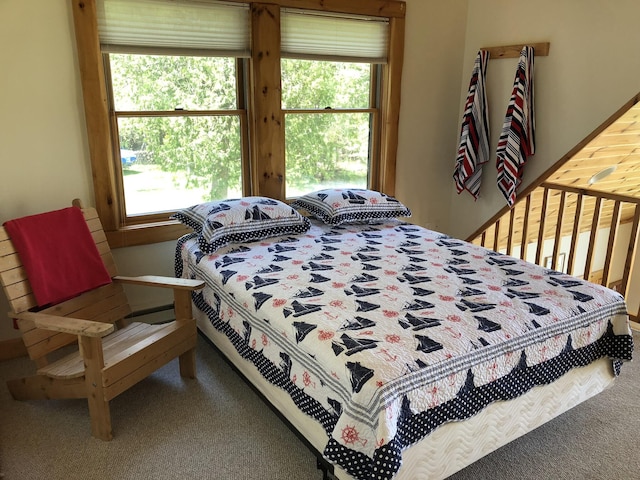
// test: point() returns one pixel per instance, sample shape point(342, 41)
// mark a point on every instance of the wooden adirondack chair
point(114, 353)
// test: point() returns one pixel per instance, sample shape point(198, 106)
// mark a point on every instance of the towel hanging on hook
point(473, 149)
point(517, 140)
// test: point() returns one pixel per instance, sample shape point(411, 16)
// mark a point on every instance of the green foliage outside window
point(184, 157)
point(325, 150)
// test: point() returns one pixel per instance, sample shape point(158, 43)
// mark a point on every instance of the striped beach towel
point(517, 140)
point(473, 150)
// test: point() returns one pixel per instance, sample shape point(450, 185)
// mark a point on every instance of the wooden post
point(96, 110)
point(91, 348)
point(184, 313)
point(268, 118)
point(390, 106)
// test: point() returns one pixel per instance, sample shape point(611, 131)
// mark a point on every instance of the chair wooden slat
point(5, 246)
point(14, 275)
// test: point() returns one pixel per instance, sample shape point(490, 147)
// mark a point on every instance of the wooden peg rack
point(513, 51)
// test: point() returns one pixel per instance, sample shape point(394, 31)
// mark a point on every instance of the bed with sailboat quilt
point(389, 346)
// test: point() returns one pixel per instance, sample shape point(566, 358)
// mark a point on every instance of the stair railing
point(562, 215)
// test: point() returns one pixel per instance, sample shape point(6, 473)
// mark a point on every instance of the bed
point(395, 351)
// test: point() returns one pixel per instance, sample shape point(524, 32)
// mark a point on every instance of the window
point(199, 99)
point(330, 98)
point(328, 124)
point(179, 122)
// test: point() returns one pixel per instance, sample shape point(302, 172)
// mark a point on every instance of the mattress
point(384, 335)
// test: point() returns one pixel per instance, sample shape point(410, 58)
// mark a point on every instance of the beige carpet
point(216, 428)
point(165, 427)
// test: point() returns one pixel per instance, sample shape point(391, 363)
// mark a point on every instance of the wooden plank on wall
point(390, 106)
point(268, 116)
point(96, 110)
point(541, 49)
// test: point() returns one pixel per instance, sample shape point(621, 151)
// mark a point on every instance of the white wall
point(42, 136)
point(592, 69)
point(429, 119)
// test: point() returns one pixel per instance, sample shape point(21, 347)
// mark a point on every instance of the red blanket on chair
point(58, 253)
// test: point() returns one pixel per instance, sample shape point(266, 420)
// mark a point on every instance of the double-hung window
point(188, 101)
point(330, 98)
point(173, 74)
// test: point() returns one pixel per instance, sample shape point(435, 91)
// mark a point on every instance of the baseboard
point(635, 326)
point(12, 348)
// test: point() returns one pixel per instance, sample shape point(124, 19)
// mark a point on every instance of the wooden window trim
point(266, 137)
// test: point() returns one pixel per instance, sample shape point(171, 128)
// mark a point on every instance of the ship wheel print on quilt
point(350, 436)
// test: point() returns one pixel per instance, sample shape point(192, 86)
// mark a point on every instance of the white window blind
point(309, 34)
point(196, 27)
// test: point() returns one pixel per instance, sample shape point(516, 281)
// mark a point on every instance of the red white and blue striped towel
point(473, 150)
point(517, 140)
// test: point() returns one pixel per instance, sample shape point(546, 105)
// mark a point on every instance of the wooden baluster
point(575, 234)
point(613, 232)
point(512, 214)
point(525, 228)
point(558, 237)
point(595, 220)
point(496, 235)
point(631, 249)
point(543, 214)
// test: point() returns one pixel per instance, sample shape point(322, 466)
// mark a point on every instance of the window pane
point(313, 84)
point(160, 82)
point(174, 162)
point(326, 150)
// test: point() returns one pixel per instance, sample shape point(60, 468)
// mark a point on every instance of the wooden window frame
point(266, 126)
point(240, 112)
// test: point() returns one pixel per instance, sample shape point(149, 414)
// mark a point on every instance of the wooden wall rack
point(513, 51)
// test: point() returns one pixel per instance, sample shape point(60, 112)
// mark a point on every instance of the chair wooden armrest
point(74, 326)
point(160, 281)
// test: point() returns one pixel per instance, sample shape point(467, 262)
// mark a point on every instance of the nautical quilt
point(383, 332)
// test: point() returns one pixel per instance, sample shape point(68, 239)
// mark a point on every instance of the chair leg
point(99, 412)
point(188, 364)
point(100, 418)
point(184, 316)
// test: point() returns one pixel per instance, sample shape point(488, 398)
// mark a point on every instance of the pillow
point(241, 220)
point(352, 205)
